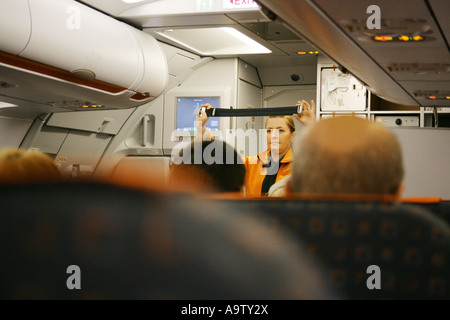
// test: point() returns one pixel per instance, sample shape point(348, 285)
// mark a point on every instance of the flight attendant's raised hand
point(204, 118)
point(309, 112)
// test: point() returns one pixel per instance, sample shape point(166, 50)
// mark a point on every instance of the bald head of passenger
point(347, 155)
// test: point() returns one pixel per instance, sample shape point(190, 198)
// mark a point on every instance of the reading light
point(85, 106)
point(404, 38)
point(382, 38)
point(438, 98)
point(7, 105)
point(132, 1)
point(309, 52)
point(215, 41)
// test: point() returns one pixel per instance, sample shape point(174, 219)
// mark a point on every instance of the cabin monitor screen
point(185, 112)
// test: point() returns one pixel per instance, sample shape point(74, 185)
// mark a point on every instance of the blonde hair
point(21, 166)
point(287, 119)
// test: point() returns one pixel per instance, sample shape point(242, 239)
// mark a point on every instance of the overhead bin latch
point(104, 123)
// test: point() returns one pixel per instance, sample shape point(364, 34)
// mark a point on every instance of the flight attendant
point(275, 163)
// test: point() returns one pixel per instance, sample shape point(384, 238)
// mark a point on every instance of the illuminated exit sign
point(239, 4)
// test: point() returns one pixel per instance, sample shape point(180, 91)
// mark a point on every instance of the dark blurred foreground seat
point(409, 244)
point(130, 244)
point(437, 206)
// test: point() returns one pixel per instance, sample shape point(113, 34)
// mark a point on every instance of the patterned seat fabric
point(131, 244)
point(410, 245)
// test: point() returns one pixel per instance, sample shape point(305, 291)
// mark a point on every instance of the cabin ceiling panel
point(339, 29)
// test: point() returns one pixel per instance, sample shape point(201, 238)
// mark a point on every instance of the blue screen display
point(185, 112)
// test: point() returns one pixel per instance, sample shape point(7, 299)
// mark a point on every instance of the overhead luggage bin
point(69, 42)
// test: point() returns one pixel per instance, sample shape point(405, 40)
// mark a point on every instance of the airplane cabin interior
point(102, 86)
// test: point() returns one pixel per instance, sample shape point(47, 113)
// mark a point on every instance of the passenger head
point(280, 133)
point(347, 154)
point(21, 166)
point(213, 166)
